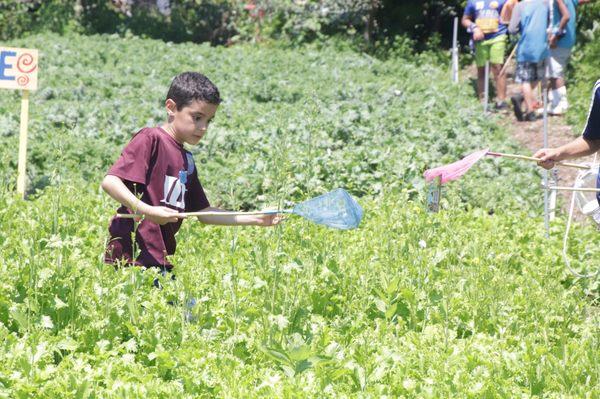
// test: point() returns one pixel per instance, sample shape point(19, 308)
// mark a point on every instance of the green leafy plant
point(471, 302)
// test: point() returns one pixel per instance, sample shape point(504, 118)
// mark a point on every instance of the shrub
point(221, 21)
point(20, 17)
point(306, 20)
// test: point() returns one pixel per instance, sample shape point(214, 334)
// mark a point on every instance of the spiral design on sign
point(23, 80)
point(25, 63)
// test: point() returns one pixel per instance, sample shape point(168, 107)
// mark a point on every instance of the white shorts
point(558, 61)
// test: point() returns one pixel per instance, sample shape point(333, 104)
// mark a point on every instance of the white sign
point(18, 68)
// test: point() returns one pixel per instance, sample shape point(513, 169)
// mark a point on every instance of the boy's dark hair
point(190, 86)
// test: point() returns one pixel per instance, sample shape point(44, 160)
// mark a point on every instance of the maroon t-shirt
point(155, 166)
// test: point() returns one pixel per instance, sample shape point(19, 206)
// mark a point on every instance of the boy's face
point(190, 123)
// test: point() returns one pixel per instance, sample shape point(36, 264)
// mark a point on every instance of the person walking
point(482, 20)
point(530, 18)
point(562, 40)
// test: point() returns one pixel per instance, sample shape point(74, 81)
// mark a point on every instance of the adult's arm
point(587, 144)
point(565, 16)
point(579, 147)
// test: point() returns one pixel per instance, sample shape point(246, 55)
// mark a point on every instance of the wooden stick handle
point(584, 189)
point(512, 54)
point(533, 159)
point(183, 215)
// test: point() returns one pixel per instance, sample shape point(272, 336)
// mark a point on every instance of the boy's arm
point(238, 220)
point(507, 10)
point(579, 147)
point(468, 23)
point(565, 16)
point(515, 20)
point(115, 187)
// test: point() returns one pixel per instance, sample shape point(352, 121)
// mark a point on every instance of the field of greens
point(471, 302)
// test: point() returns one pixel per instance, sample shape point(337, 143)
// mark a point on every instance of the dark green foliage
point(224, 21)
point(188, 20)
point(21, 17)
point(421, 19)
point(589, 15)
point(301, 21)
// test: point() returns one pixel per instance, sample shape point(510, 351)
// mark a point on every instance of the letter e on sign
point(18, 68)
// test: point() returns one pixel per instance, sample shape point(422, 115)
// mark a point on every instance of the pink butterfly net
point(455, 170)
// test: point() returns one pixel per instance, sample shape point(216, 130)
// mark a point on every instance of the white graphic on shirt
point(174, 192)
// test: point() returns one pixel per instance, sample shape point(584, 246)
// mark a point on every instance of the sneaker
point(501, 106)
point(550, 97)
point(540, 111)
point(516, 103)
point(560, 109)
point(188, 313)
point(163, 273)
point(530, 116)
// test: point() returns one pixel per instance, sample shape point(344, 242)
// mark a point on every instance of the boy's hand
point(549, 157)
point(269, 220)
point(553, 41)
point(161, 214)
point(478, 34)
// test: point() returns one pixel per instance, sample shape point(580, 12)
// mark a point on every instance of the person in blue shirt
point(530, 18)
point(482, 20)
point(562, 40)
point(586, 144)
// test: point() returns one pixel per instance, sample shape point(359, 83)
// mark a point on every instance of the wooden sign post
point(434, 195)
point(18, 71)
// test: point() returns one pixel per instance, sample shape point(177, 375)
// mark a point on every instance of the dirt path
point(531, 134)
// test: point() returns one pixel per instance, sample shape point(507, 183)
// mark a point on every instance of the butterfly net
point(455, 170)
point(336, 209)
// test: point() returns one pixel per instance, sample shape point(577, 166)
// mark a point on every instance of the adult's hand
point(548, 157)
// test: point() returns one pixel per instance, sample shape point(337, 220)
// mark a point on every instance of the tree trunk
point(370, 22)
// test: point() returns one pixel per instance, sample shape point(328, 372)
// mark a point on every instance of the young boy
point(156, 178)
point(482, 21)
point(562, 41)
point(530, 17)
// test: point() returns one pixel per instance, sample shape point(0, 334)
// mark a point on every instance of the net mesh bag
point(335, 209)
